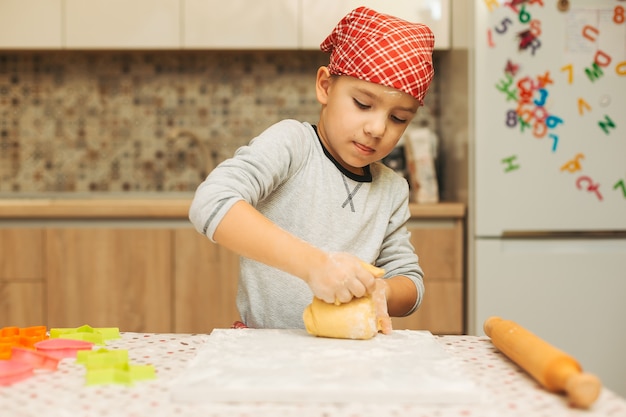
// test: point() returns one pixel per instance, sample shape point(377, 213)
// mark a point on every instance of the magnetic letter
point(510, 166)
point(511, 68)
point(574, 164)
point(595, 188)
point(504, 87)
point(582, 105)
point(512, 5)
point(523, 124)
point(491, 4)
point(536, 44)
point(542, 100)
point(595, 72)
point(587, 29)
point(620, 184)
point(605, 126)
point(601, 54)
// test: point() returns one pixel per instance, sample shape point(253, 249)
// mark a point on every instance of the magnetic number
point(524, 16)
point(539, 129)
point(618, 14)
point(504, 26)
point(524, 111)
point(555, 141)
point(511, 118)
point(535, 28)
point(553, 121)
point(527, 84)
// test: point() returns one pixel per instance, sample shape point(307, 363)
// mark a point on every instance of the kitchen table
point(508, 390)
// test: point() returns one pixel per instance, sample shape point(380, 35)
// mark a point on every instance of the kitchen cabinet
point(318, 18)
point(460, 17)
point(165, 279)
point(205, 283)
point(140, 266)
point(22, 284)
point(196, 24)
point(122, 24)
point(439, 241)
point(240, 24)
point(32, 24)
point(109, 277)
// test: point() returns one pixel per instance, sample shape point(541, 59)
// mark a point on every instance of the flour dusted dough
point(354, 320)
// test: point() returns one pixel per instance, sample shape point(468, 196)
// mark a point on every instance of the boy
point(304, 204)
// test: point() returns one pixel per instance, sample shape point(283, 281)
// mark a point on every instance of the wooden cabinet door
point(240, 24)
point(319, 18)
point(21, 254)
point(122, 24)
point(21, 304)
point(440, 247)
point(32, 24)
point(205, 283)
point(107, 277)
point(21, 277)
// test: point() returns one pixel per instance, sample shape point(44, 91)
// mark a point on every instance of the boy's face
point(361, 122)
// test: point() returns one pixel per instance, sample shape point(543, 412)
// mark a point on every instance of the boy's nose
point(375, 126)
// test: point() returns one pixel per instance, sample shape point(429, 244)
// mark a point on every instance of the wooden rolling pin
point(552, 368)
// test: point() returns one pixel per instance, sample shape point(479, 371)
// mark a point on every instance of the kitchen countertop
point(150, 208)
point(509, 390)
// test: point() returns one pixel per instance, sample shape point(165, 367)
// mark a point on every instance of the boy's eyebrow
point(375, 96)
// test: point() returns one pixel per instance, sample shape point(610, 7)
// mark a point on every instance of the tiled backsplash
point(144, 121)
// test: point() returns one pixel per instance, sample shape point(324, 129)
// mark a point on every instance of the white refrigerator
point(547, 223)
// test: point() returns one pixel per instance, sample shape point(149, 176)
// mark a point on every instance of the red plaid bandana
point(382, 49)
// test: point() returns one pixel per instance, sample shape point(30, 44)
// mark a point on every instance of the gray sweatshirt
point(291, 179)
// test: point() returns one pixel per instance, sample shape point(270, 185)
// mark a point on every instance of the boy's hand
point(340, 278)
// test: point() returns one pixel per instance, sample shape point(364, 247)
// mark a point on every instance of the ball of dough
point(353, 320)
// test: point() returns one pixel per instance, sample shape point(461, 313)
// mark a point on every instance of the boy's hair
point(382, 49)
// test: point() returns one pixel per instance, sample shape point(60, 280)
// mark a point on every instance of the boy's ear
point(322, 83)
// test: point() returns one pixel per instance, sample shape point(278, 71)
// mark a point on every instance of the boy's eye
point(360, 105)
point(395, 119)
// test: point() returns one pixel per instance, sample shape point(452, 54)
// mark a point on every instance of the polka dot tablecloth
point(508, 391)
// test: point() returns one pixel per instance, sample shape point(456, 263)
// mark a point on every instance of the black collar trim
point(367, 173)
